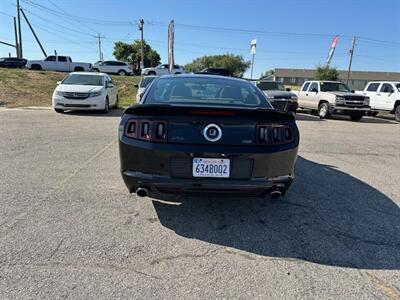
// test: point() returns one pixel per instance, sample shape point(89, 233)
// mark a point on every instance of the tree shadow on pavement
point(328, 217)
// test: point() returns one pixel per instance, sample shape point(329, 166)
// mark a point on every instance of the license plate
point(211, 167)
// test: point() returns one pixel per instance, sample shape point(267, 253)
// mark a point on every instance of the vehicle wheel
point(96, 70)
point(356, 117)
point(121, 73)
point(107, 106)
point(78, 69)
point(323, 110)
point(60, 111)
point(152, 73)
point(397, 113)
point(177, 73)
point(36, 67)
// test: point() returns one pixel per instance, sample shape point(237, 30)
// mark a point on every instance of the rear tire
point(356, 117)
point(397, 113)
point(36, 67)
point(121, 73)
point(152, 73)
point(60, 111)
point(78, 69)
point(323, 110)
point(106, 106)
point(96, 70)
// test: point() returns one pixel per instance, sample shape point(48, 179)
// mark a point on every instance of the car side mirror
point(136, 85)
point(59, 82)
point(391, 92)
point(109, 85)
point(352, 91)
point(288, 89)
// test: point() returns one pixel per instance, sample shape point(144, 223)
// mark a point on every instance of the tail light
point(147, 130)
point(274, 134)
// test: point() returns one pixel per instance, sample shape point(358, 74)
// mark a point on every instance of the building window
point(292, 79)
point(279, 79)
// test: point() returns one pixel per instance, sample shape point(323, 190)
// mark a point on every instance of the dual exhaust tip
point(142, 192)
point(275, 194)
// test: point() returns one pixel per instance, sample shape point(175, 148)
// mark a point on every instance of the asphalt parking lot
point(69, 228)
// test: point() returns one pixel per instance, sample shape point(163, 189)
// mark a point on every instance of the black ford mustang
point(196, 134)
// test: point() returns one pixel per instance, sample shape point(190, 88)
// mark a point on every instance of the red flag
point(332, 50)
point(171, 36)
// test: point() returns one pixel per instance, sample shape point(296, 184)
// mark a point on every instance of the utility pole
point(34, 34)
point(99, 37)
point(351, 59)
point(16, 37)
point(19, 31)
point(141, 23)
point(253, 46)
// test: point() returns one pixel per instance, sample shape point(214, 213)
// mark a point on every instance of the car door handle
point(306, 94)
point(378, 94)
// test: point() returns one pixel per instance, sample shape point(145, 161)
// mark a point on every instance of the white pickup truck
point(332, 97)
point(58, 63)
point(384, 96)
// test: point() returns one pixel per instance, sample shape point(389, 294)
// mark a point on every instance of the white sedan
point(85, 91)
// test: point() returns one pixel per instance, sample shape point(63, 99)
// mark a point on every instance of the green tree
point(234, 63)
point(131, 53)
point(326, 73)
point(266, 74)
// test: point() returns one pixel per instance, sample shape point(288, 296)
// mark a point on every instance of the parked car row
point(328, 98)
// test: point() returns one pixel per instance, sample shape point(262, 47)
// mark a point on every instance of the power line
point(59, 8)
point(203, 28)
point(62, 26)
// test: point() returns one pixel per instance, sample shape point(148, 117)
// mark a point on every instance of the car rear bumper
point(158, 184)
point(167, 169)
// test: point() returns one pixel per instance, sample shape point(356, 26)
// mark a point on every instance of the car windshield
point(334, 87)
point(270, 86)
point(209, 91)
point(83, 79)
point(398, 86)
point(145, 81)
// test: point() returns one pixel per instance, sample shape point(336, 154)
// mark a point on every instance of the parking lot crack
point(86, 163)
point(56, 249)
point(380, 285)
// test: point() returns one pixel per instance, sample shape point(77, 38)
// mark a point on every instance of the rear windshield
point(145, 81)
point(83, 79)
point(270, 86)
point(334, 87)
point(205, 91)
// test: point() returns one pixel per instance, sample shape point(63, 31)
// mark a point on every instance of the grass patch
point(21, 87)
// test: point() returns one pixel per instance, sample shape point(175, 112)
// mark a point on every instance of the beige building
point(358, 79)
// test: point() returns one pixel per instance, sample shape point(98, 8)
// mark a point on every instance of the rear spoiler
point(167, 109)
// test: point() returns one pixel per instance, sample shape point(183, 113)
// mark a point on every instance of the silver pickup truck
point(332, 97)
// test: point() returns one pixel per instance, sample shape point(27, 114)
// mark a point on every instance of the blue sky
point(289, 33)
